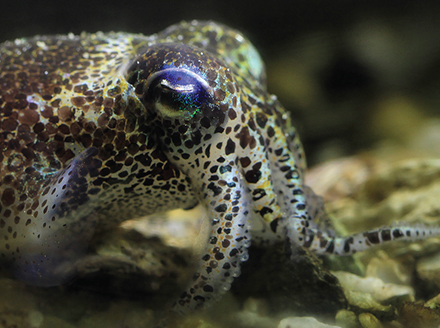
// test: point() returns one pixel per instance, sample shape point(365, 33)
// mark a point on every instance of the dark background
point(334, 64)
point(268, 23)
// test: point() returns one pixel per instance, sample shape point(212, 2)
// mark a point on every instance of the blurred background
point(357, 75)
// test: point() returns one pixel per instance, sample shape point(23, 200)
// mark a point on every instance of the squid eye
point(178, 92)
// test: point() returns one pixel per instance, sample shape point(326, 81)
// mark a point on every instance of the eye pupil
point(177, 97)
point(177, 92)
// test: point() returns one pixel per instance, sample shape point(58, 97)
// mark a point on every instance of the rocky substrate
point(137, 270)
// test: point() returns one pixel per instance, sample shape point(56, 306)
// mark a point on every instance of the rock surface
point(138, 269)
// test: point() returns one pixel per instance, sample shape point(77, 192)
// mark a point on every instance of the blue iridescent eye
point(178, 92)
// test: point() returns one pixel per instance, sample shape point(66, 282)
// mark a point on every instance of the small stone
point(376, 287)
point(434, 303)
point(308, 322)
point(367, 320)
point(346, 319)
point(363, 302)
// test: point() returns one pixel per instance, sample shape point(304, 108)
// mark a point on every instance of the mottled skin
point(100, 128)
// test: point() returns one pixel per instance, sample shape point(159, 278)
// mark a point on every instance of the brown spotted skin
point(101, 128)
point(76, 154)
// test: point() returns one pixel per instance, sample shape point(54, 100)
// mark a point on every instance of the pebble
point(367, 320)
point(370, 285)
point(309, 322)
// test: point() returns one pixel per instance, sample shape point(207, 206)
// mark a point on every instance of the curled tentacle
point(227, 246)
point(323, 243)
point(193, 100)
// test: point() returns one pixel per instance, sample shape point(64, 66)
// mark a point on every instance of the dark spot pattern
point(96, 129)
point(65, 139)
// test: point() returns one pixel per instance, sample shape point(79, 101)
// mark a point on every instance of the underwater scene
point(259, 167)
